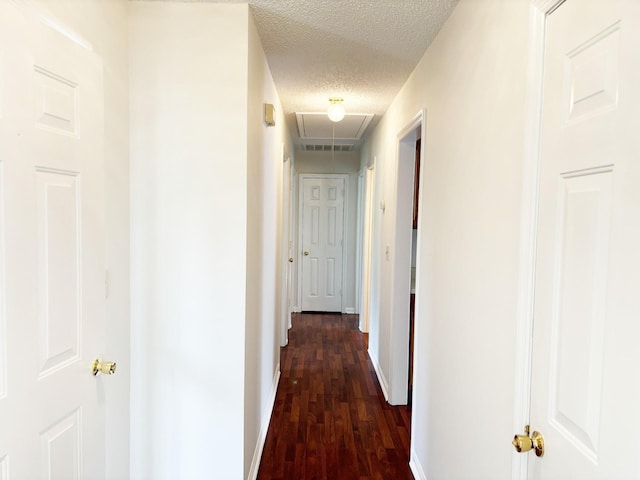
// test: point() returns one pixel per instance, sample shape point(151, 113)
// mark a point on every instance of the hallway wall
point(265, 147)
point(205, 240)
point(472, 82)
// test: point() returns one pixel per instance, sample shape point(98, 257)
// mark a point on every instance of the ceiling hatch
point(316, 130)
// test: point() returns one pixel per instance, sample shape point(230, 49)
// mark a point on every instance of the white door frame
point(292, 240)
point(366, 249)
point(359, 244)
point(401, 260)
point(345, 232)
point(285, 249)
point(539, 10)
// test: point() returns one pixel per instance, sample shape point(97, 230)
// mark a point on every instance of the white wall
point(188, 64)
point(347, 163)
point(104, 25)
point(206, 223)
point(471, 82)
point(264, 256)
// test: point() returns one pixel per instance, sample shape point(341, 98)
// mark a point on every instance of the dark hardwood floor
point(330, 419)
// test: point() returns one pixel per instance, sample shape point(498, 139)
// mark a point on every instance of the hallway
point(330, 419)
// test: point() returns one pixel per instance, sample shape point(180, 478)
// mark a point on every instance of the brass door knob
point(290, 259)
point(107, 368)
point(524, 443)
point(305, 253)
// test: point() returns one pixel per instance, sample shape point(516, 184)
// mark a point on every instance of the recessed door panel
point(58, 268)
point(331, 276)
point(593, 74)
point(332, 228)
point(56, 102)
point(314, 238)
point(578, 327)
point(61, 445)
point(313, 277)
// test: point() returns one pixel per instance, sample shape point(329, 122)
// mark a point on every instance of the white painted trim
point(359, 245)
point(3, 313)
point(401, 272)
point(345, 233)
point(285, 228)
point(293, 238)
point(367, 246)
point(264, 428)
point(40, 14)
point(382, 380)
point(539, 9)
point(416, 121)
point(349, 310)
point(419, 322)
point(546, 6)
point(345, 237)
point(416, 467)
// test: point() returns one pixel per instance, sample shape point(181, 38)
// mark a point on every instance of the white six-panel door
point(585, 389)
point(322, 232)
point(52, 239)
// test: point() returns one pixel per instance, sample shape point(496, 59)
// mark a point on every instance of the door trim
point(359, 242)
point(285, 249)
point(539, 10)
point(345, 231)
point(401, 259)
point(366, 247)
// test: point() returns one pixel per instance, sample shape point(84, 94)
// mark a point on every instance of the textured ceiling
point(360, 50)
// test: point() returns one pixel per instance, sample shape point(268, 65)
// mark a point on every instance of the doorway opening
point(405, 261)
point(414, 248)
point(367, 249)
point(286, 296)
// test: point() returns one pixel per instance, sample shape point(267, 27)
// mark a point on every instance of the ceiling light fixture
point(336, 109)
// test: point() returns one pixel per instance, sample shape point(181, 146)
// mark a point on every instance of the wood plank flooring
point(330, 419)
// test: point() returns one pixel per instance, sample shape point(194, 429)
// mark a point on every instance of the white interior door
point(585, 389)
point(52, 407)
point(322, 222)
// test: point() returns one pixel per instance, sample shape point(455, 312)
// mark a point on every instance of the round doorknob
point(107, 368)
point(306, 253)
point(290, 259)
point(524, 443)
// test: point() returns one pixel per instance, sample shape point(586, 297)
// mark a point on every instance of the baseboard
point(381, 378)
point(416, 468)
point(264, 428)
point(350, 310)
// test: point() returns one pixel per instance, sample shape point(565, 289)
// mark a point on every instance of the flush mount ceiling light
point(336, 109)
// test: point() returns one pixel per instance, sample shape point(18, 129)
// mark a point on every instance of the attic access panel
point(317, 127)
